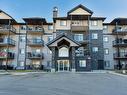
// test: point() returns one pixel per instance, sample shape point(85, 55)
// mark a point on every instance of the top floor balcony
point(79, 26)
point(7, 29)
point(35, 30)
point(119, 31)
point(120, 43)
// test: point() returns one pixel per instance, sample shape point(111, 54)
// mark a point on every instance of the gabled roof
point(80, 6)
point(59, 37)
point(6, 21)
point(119, 21)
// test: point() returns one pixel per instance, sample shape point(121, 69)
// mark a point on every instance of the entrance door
point(63, 65)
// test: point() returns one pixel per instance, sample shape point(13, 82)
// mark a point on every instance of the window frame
point(106, 53)
point(93, 48)
point(94, 36)
point(81, 64)
point(63, 24)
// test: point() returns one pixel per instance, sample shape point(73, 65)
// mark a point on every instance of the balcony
point(7, 29)
point(34, 55)
point(120, 43)
point(119, 31)
point(35, 42)
point(6, 42)
point(81, 38)
point(77, 28)
point(121, 55)
point(35, 30)
point(6, 55)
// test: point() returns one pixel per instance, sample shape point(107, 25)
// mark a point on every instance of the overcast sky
point(43, 8)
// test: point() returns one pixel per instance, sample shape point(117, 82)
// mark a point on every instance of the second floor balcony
point(7, 29)
point(35, 55)
point(7, 42)
point(35, 42)
point(6, 55)
point(120, 55)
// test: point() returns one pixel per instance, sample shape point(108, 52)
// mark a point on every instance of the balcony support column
point(73, 60)
point(53, 60)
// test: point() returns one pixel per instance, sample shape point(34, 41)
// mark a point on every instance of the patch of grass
point(24, 71)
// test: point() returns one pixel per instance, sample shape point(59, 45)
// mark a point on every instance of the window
point(77, 23)
point(94, 36)
point(21, 64)
point(22, 51)
point(94, 23)
point(95, 49)
point(106, 51)
point(63, 52)
point(22, 38)
point(50, 27)
point(80, 51)
point(23, 27)
point(105, 27)
point(63, 23)
point(78, 37)
point(49, 64)
point(105, 39)
point(107, 63)
point(82, 63)
point(50, 38)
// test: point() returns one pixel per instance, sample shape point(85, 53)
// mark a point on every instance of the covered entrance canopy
point(63, 51)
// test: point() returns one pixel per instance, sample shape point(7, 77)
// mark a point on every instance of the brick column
point(73, 60)
point(53, 60)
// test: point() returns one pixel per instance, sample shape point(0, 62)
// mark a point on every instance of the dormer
point(80, 10)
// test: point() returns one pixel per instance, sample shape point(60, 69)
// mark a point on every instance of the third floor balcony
point(35, 42)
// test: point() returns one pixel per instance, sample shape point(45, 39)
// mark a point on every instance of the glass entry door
point(63, 65)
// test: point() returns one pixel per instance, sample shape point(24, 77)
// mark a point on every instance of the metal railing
point(6, 55)
point(35, 55)
point(7, 28)
point(7, 41)
point(33, 29)
point(35, 41)
point(120, 55)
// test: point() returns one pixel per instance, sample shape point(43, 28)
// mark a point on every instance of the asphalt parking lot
point(63, 84)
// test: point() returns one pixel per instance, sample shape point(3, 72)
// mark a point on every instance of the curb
point(118, 74)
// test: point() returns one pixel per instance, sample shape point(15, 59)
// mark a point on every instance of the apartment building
point(115, 41)
point(77, 42)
